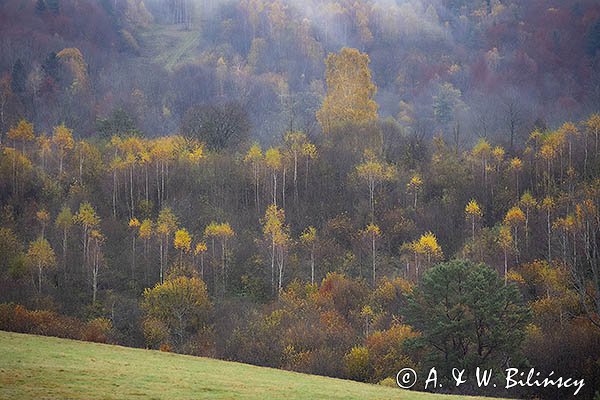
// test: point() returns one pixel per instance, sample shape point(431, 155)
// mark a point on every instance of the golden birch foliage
point(505, 239)
point(167, 222)
point(514, 217)
point(516, 164)
point(273, 221)
point(428, 246)
point(40, 254)
point(498, 153)
point(592, 125)
point(23, 132)
point(222, 231)
point(42, 216)
point(62, 138)
point(309, 150)
point(374, 170)
point(254, 154)
point(350, 90)
point(309, 236)
point(528, 201)
point(44, 145)
point(482, 149)
point(547, 204)
point(273, 158)
point(200, 248)
point(472, 209)
point(86, 216)
point(372, 230)
point(183, 240)
point(415, 183)
point(145, 231)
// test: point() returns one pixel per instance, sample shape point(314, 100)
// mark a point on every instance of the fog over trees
point(344, 188)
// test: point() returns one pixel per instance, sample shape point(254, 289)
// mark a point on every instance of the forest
point(331, 187)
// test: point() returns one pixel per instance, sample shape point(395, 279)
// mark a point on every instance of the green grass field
point(37, 367)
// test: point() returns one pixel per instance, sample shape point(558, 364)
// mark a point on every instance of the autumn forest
point(331, 187)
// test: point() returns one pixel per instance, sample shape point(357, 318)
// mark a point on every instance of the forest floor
point(38, 367)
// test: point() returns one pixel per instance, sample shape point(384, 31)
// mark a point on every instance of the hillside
point(35, 367)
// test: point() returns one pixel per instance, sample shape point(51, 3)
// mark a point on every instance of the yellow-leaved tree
point(374, 171)
point(165, 226)
point(473, 211)
point(62, 138)
point(254, 157)
point(41, 256)
point(350, 90)
point(372, 232)
point(309, 239)
point(275, 230)
point(182, 242)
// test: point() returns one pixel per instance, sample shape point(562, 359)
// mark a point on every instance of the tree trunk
point(373, 248)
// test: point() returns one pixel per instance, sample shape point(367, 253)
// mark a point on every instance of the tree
point(309, 239)
point(483, 151)
point(43, 217)
point(274, 162)
point(548, 205)
point(41, 256)
point(513, 219)
point(145, 233)
point(274, 230)
point(62, 137)
point(373, 172)
point(165, 226)
point(96, 241)
point(199, 250)
point(134, 225)
point(592, 125)
point(528, 202)
point(40, 7)
point(505, 240)
point(467, 316)
point(414, 186)
point(350, 91)
point(44, 148)
point(473, 211)
point(223, 232)
point(181, 304)
point(445, 103)
point(54, 6)
point(19, 78)
point(309, 151)
point(64, 222)
point(218, 125)
point(88, 219)
point(427, 246)
point(182, 242)
point(372, 231)
point(23, 133)
point(254, 157)
point(119, 123)
point(516, 165)
point(73, 60)
point(295, 142)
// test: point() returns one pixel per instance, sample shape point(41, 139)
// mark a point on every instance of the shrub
point(156, 333)
point(358, 364)
point(98, 330)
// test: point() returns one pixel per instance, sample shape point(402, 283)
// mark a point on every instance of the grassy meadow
point(36, 367)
